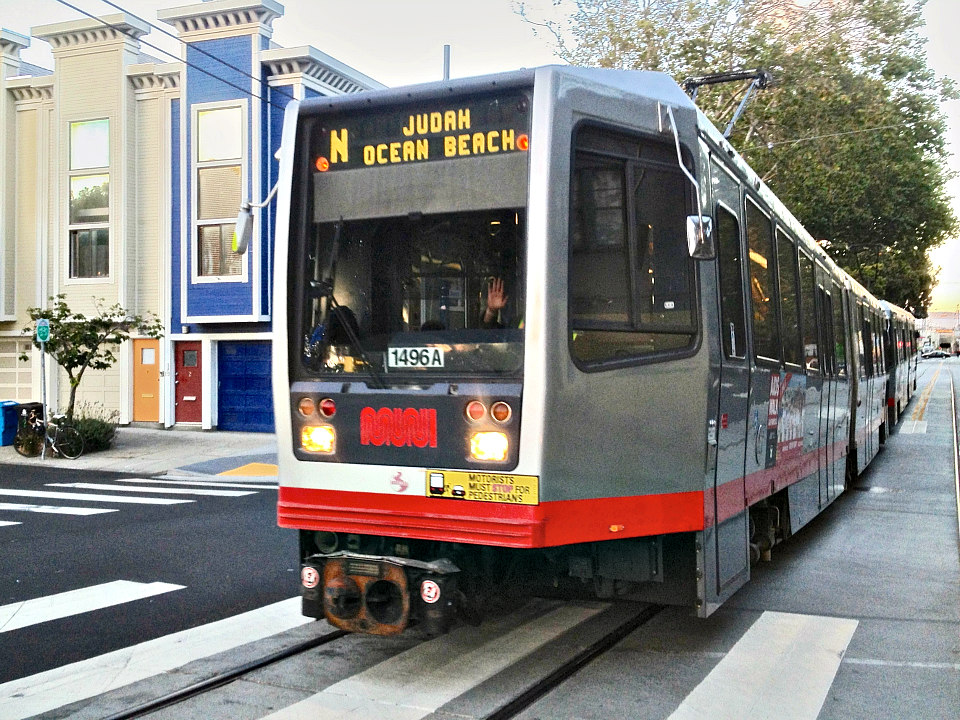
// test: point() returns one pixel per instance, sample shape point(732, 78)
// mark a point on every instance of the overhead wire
point(186, 62)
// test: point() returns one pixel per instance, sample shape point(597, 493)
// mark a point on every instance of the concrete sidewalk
point(154, 451)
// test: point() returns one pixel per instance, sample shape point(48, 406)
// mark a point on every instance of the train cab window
point(733, 324)
point(839, 336)
point(808, 311)
point(763, 286)
point(789, 292)
point(631, 278)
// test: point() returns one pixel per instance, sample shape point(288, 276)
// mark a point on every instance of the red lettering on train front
point(399, 427)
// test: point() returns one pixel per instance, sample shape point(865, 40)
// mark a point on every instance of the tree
point(851, 137)
point(78, 343)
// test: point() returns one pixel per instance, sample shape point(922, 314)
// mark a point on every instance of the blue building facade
point(226, 130)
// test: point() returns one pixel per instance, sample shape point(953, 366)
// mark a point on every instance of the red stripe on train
point(521, 526)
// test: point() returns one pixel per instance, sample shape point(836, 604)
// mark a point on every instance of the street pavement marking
point(782, 667)
point(53, 607)
point(903, 664)
point(144, 488)
point(416, 683)
point(55, 509)
point(200, 483)
point(261, 469)
point(913, 427)
point(85, 679)
point(94, 498)
point(7, 523)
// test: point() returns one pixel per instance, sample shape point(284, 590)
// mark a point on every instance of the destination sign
point(445, 129)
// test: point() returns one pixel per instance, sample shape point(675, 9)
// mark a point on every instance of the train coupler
point(379, 595)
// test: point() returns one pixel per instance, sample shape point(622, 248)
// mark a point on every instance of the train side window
point(839, 335)
point(828, 365)
point(631, 289)
point(866, 330)
point(808, 311)
point(789, 292)
point(763, 286)
point(733, 323)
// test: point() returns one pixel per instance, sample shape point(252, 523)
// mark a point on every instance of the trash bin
point(9, 414)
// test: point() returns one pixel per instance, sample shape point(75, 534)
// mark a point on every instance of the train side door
point(841, 397)
point(808, 503)
point(765, 375)
point(828, 395)
point(731, 537)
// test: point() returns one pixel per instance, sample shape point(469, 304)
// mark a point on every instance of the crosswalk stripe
point(81, 680)
point(800, 657)
point(94, 498)
point(73, 602)
point(144, 488)
point(7, 523)
point(55, 509)
point(417, 682)
point(199, 483)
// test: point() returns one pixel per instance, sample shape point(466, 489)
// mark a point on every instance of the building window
point(219, 183)
point(89, 221)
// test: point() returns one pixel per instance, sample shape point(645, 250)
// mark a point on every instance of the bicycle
point(32, 433)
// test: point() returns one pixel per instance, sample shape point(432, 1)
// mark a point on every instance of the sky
point(398, 42)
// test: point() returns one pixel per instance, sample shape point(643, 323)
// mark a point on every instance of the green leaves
point(851, 136)
point(78, 342)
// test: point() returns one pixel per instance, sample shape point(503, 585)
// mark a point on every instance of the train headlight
point(318, 439)
point(489, 446)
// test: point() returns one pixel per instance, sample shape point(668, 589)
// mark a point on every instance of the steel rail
point(202, 686)
point(568, 669)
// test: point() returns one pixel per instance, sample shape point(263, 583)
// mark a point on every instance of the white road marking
point(144, 488)
point(53, 607)
point(903, 664)
point(85, 679)
point(55, 509)
point(7, 523)
point(415, 683)
point(94, 498)
point(200, 483)
point(782, 667)
point(913, 427)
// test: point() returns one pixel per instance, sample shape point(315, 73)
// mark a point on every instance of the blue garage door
point(245, 399)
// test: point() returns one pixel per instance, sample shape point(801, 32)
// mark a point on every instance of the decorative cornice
point(108, 29)
point(148, 77)
point(30, 89)
point(221, 15)
point(11, 43)
point(322, 71)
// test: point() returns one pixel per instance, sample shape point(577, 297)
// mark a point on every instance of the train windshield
point(412, 263)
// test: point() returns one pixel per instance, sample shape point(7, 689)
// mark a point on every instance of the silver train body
point(695, 378)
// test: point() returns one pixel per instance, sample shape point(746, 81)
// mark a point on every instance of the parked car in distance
point(938, 353)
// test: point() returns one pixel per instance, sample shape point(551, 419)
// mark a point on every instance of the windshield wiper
point(323, 288)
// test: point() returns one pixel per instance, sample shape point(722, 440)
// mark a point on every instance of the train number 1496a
point(415, 357)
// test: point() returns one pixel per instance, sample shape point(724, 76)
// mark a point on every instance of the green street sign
point(43, 330)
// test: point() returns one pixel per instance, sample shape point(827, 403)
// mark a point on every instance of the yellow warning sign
point(484, 487)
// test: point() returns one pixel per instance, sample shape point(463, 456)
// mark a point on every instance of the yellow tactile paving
point(252, 469)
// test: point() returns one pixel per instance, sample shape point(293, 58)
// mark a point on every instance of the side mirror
point(700, 241)
point(243, 229)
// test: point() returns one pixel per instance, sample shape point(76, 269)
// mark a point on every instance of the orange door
point(146, 381)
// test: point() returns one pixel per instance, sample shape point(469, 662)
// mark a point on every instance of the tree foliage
point(851, 136)
point(78, 343)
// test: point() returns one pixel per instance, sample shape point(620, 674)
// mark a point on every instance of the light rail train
point(546, 332)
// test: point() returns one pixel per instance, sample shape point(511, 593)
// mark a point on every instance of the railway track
point(500, 696)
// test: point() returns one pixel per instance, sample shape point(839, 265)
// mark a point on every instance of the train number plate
point(414, 357)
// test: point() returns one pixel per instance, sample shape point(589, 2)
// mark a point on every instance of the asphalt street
point(220, 554)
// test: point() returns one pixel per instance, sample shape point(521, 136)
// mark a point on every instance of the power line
point(830, 135)
point(168, 53)
point(195, 47)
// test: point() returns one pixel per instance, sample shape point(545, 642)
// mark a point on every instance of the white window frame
point(195, 166)
point(69, 278)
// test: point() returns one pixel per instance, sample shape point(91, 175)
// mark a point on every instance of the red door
point(188, 385)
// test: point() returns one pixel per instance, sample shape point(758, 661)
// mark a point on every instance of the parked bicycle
point(59, 434)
